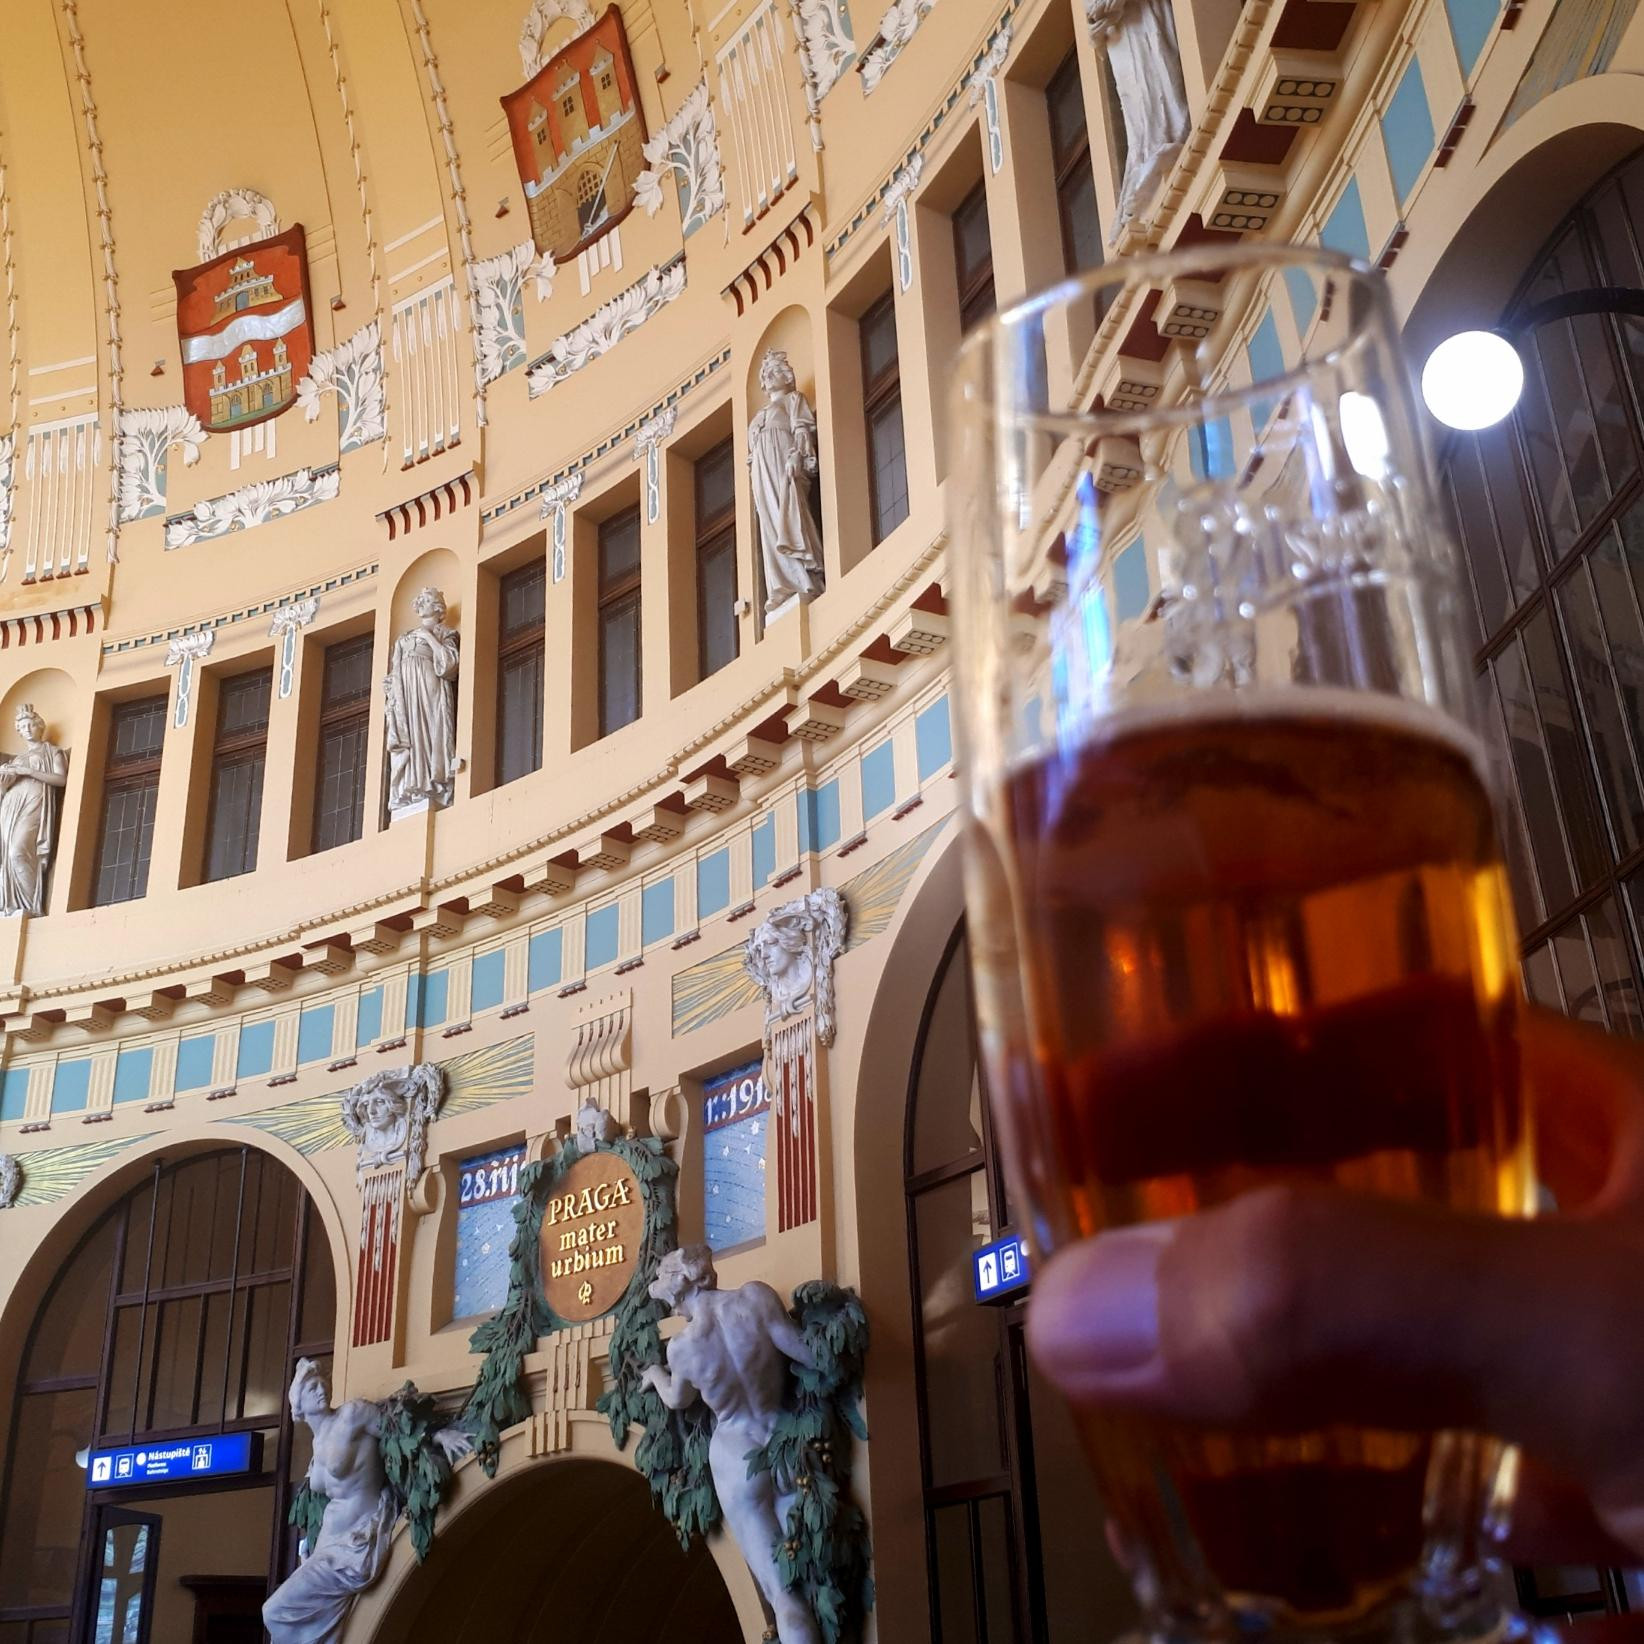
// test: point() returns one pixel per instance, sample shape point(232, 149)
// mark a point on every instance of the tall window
point(345, 714)
point(238, 756)
point(716, 559)
point(882, 403)
point(1550, 506)
point(131, 786)
point(619, 621)
point(519, 671)
point(973, 257)
point(1075, 180)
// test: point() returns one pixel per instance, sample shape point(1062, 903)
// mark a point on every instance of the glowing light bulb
point(1472, 380)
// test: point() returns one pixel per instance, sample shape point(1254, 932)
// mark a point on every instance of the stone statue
point(28, 815)
point(1140, 40)
point(388, 1116)
point(356, 1533)
point(11, 1179)
point(422, 708)
point(733, 1354)
point(791, 954)
point(594, 1127)
point(781, 462)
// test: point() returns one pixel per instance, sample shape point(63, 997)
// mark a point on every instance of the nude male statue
point(732, 1354)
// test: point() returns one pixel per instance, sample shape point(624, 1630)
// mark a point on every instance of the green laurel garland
point(418, 1470)
point(672, 1452)
point(824, 1553)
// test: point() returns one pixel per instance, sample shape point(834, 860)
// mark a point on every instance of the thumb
point(1294, 1308)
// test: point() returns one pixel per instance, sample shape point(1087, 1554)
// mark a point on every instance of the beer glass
point(1238, 911)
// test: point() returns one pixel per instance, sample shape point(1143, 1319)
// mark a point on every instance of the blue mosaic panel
point(487, 1191)
point(425, 999)
point(933, 738)
point(1407, 130)
point(256, 1051)
point(132, 1072)
point(656, 912)
point(1265, 356)
point(1303, 300)
point(736, 1112)
point(764, 851)
point(194, 1058)
point(1470, 23)
point(819, 817)
point(878, 781)
point(713, 883)
point(70, 1087)
point(544, 959)
point(368, 1024)
point(601, 937)
point(1344, 228)
point(488, 983)
point(314, 1031)
point(14, 1093)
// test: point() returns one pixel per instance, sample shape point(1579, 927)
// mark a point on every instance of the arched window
point(181, 1314)
point(1550, 507)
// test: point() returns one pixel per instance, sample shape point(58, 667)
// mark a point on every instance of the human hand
point(1291, 1308)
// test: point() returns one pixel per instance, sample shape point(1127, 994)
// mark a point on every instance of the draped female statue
point(29, 783)
point(422, 708)
point(781, 462)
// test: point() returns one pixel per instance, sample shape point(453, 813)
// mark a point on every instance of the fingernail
point(1096, 1316)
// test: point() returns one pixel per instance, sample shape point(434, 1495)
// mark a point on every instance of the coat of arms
point(579, 136)
point(246, 330)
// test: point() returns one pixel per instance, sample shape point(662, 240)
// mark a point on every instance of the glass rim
point(1154, 269)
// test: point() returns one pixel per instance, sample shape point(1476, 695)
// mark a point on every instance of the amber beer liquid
point(1269, 942)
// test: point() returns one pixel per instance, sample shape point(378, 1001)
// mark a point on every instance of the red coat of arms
point(579, 133)
point(246, 329)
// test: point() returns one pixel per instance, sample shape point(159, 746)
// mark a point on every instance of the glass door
point(122, 1596)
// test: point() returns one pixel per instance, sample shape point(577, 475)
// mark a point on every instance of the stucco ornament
point(11, 1179)
point(421, 722)
point(252, 505)
point(349, 1472)
point(782, 460)
point(733, 1355)
point(896, 28)
point(353, 371)
point(147, 435)
point(8, 475)
point(388, 1116)
point(687, 146)
point(235, 205)
point(595, 1127)
point(606, 326)
point(29, 785)
point(1139, 37)
point(791, 954)
point(533, 34)
point(826, 50)
point(499, 286)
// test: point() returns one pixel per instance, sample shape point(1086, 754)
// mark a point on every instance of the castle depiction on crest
point(245, 328)
point(579, 137)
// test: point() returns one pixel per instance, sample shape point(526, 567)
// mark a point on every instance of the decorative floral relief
point(146, 436)
point(252, 505)
point(896, 28)
point(542, 16)
point(499, 287)
point(826, 48)
point(235, 205)
point(353, 371)
point(8, 469)
point(688, 146)
point(607, 326)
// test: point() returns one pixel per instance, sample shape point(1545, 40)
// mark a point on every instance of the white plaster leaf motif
point(826, 48)
point(992, 61)
point(607, 326)
point(252, 505)
point(499, 283)
point(235, 205)
point(8, 471)
point(902, 186)
point(896, 28)
point(184, 646)
point(146, 436)
point(687, 146)
point(353, 371)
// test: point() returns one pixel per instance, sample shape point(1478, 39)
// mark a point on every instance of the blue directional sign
point(175, 1461)
point(1000, 1269)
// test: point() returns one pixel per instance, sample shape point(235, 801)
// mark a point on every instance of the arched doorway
point(175, 1323)
point(1014, 1533)
point(571, 1549)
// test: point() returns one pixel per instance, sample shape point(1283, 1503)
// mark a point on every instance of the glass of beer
point(1238, 910)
